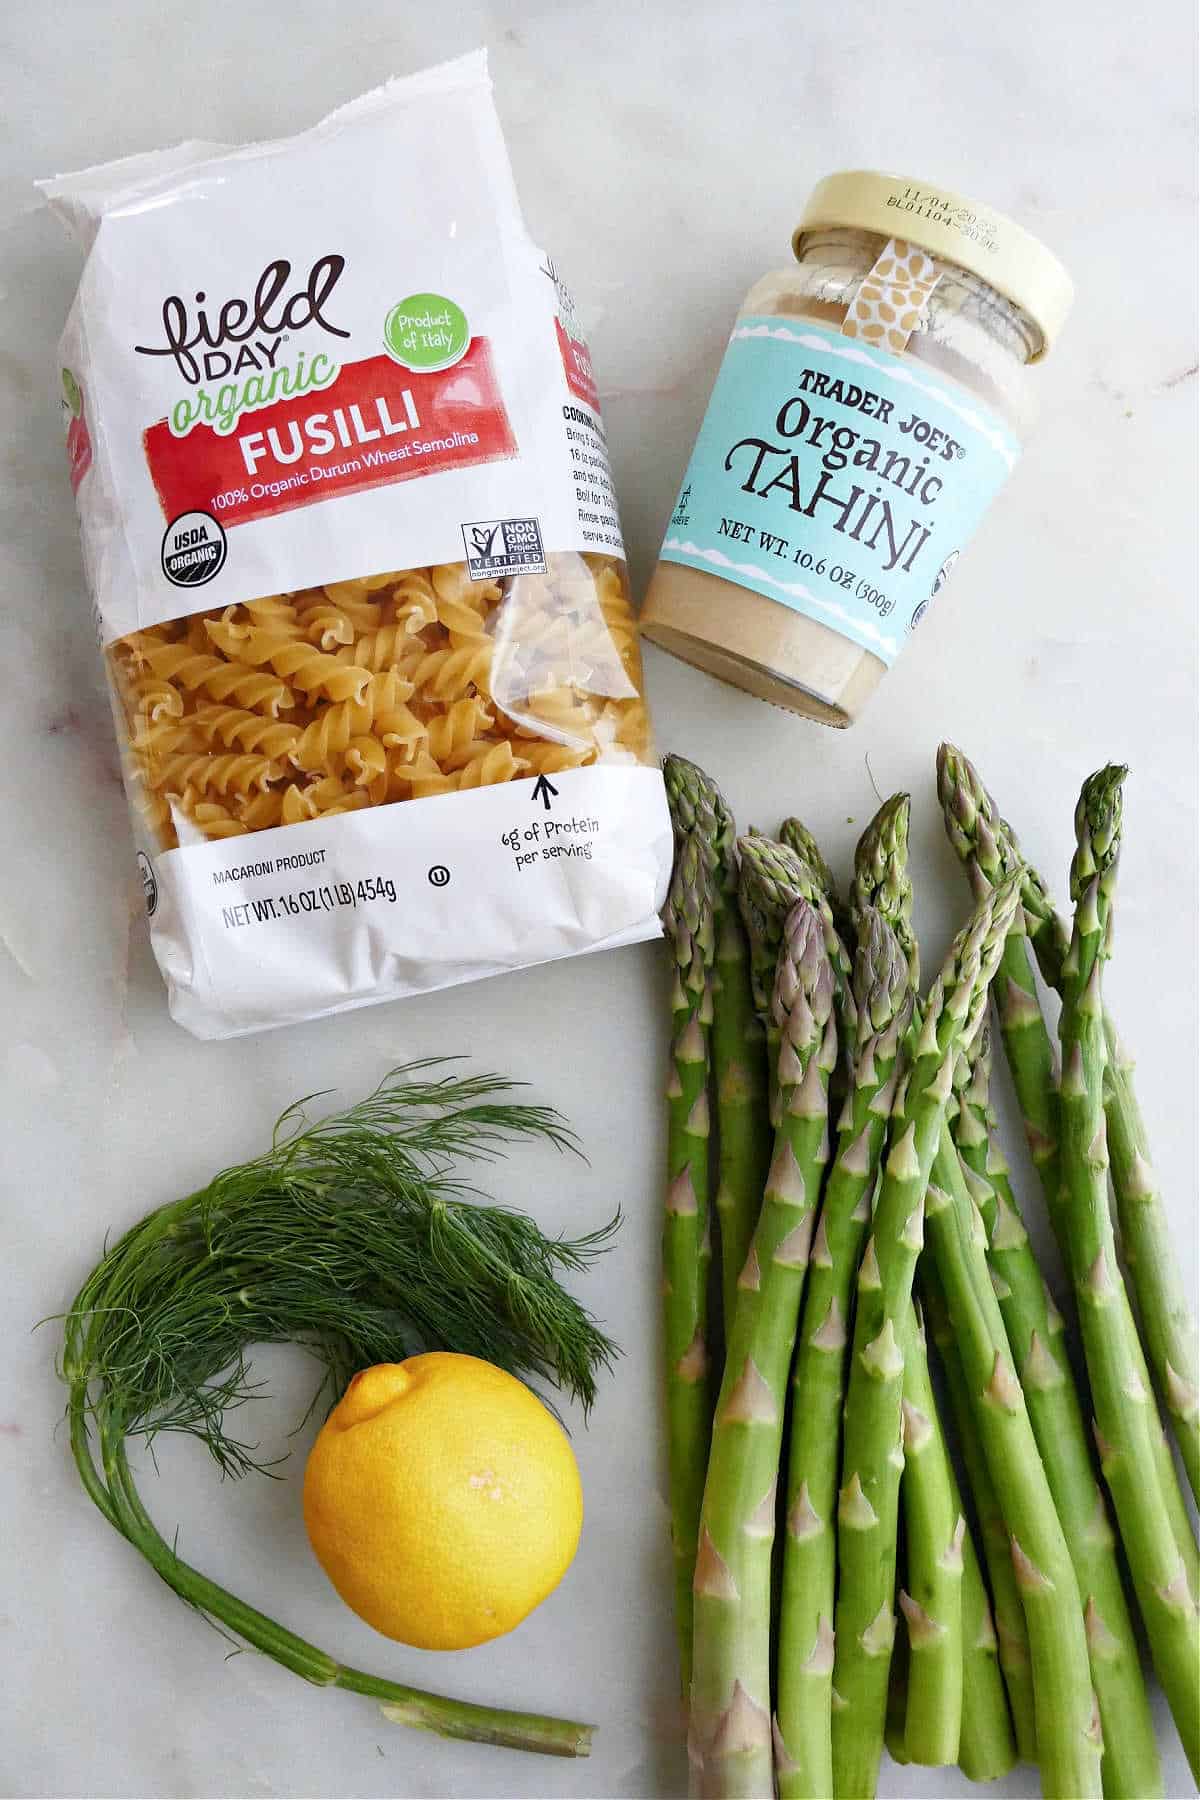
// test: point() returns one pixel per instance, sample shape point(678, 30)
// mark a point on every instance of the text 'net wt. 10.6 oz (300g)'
point(350, 532)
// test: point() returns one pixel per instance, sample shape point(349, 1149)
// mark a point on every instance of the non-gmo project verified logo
point(497, 547)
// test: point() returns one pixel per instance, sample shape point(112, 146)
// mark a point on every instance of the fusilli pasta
point(383, 689)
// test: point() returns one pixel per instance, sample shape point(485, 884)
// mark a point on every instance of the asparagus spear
point(1168, 1329)
point(686, 1247)
point(872, 1457)
point(1068, 1729)
point(987, 844)
point(738, 1041)
point(986, 1749)
point(872, 1454)
point(1123, 1405)
point(934, 1534)
point(881, 877)
point(988, 849)
point(1131, 1763)
point(1167, 1323)
point(794, 835)
point(772, 879)
point(805, 1652)
point(730, 1739)
point(882, 880)
point(897, 1703)
point(1012, 1638)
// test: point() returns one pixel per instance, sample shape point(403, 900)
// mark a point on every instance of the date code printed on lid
point(497, 547)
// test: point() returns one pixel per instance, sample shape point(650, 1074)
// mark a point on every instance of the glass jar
point(872, 399)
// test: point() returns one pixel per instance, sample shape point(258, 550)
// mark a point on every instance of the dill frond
point(350, 1235)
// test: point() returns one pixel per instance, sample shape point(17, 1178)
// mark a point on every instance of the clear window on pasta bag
point(389, 687)
point(348, 522)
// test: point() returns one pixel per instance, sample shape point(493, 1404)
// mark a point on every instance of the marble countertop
point(662, 152)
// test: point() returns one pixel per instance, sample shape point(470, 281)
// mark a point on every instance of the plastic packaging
point(872, 400)
point(357, 569)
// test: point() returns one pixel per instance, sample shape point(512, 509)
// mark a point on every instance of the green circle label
point(426, 332)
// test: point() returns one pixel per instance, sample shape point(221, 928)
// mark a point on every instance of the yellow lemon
point(442, 1500)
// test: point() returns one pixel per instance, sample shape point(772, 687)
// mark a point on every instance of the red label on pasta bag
point(375, 423)
point(79, 451)
point(577, 364)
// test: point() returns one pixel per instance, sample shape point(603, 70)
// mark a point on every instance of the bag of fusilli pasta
point(357, 569)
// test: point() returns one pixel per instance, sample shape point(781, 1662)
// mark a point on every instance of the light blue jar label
point(839, 480)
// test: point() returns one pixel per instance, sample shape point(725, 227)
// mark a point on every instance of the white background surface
point(662, 153)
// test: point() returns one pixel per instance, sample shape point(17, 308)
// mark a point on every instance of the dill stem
point(82, 1452)
point(464, 1719)
point(264, 1633)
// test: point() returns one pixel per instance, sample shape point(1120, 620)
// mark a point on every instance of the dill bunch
point(357, 1237)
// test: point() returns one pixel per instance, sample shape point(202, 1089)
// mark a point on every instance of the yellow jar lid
point(1009, 258)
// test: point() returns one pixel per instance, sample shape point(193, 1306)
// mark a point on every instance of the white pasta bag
point(357, 570)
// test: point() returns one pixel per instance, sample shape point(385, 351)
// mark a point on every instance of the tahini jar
point(871, 401)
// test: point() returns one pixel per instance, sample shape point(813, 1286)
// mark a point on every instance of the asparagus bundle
point(988, 846)
point(835, 1368)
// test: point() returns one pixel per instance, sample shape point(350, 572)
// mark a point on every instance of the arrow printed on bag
point(542, 790)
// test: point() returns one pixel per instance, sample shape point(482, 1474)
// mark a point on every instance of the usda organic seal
point(193, 549)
